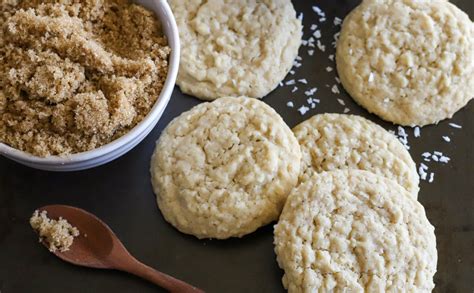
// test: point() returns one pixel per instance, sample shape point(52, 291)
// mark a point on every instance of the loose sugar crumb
point(57, 234)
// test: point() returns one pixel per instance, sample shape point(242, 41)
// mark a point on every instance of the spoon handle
point(158, 278)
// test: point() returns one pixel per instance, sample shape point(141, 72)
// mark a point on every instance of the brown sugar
point(56, 234)
point(74, 74)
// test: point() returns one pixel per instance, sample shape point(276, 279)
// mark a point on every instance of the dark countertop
point(120, 193)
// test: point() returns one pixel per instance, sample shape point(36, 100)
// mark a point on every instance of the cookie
point(224, 169)
point(354, 231)
point(337, 141)
point(235, 48)
point(409, 62)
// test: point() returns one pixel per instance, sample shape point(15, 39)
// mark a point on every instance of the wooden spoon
point(98, 247)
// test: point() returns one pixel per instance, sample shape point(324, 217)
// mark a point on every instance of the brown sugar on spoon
point(76, 75)
point(56, 234)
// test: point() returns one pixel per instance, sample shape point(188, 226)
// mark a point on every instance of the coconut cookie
point(337, 141)
point(409, 62)
point(224, 169)
point(354, 231)
point(235, 48)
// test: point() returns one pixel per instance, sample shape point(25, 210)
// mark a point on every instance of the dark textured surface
point(120, 193)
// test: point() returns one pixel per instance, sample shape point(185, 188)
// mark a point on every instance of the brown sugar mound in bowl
point(74, 74)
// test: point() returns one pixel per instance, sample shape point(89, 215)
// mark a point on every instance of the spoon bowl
point(95, 242)
point(97, 246)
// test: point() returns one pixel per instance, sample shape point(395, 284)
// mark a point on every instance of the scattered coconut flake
point(303, 110)
point(314, 27)
point(335, 89)
point(444, 159)
point(337, 21)
point(290, 82)
point(329, 69)
point(311, 92)
point(431, 177)
point(304, 81)
point(346, 110)
point(321, 46)
point(317, 34)
point(318, 11)
point(292, 72)
point(341, 101)
point(298, 58)
point(310, 52)
point(426, 154)
point(403, 137)
point(294, 89)
point(338, 80)
point(454, 125)
point(446, 138)
point(422, 173)
point(290, 104)
point(331, 57)
point(416, 131)
point(300, 16)
point(322, 19)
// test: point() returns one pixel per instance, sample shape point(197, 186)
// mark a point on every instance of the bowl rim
point(154, 114)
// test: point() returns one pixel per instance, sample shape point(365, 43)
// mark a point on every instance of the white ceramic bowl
point(122, 145)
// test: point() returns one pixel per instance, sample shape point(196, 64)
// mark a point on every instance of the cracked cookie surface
point(235, 48)
point(224, 169)
point(409, 62)
point(354, 231)
point(337, 141)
